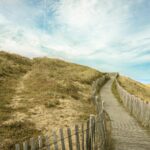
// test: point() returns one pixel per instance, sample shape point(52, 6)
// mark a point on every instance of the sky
point(109, 35)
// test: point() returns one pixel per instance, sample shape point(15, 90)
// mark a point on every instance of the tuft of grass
point(136, 88)
point(52, 103)
point(12, 65)
point(16, 132)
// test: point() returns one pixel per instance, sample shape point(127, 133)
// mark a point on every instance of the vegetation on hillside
point(41, 94)
point(136, 88)
point(12, 68)
point(115, 92)
point(148, 85)
point(51, 78)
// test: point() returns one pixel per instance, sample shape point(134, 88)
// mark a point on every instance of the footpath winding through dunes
point(126, 132)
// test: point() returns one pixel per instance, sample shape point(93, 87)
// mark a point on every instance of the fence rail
point(137, 107)
point(94, 134)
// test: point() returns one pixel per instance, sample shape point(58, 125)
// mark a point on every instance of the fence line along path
point(126, 131)
point(137, 107)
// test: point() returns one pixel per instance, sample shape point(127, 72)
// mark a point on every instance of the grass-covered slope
point(51, 78)
point(12, 67)
point(39, 95)
point(136, 88)
point(148, 85)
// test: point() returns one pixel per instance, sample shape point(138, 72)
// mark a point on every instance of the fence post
point(82, 128)
point(91, 132)
point(62, 139)
point(33, 144)
point(40, 142)
point(77, 137)
point(55, 140)
point(94, 128)
point(87, 136)
point(47, 143)
point(25, 145)
point(69, 139)
point(17, 147)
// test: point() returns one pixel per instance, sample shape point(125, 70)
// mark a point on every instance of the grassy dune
point(41, 94)
point(148, 85)
point(12, 68)
point(136, 88)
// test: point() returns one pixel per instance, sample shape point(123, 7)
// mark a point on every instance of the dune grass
point(51, 78)
point(12, 67)
point(41, 94)
point(53, 85)
point(148, 85)
point(115, 92)
point(136, 88)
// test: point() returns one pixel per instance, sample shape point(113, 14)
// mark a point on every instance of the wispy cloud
point(106, 34)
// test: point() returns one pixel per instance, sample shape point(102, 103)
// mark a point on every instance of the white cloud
point(92, 30)
point(99, 23)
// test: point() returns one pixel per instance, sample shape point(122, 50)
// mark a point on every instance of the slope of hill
point(148, 85)
point(12, 67)
point(42, 94)
point(136, 88)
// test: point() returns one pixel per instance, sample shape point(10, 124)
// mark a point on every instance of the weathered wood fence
point(98, 84)
point(137, 107)
point(104, 123)
point(94, 134)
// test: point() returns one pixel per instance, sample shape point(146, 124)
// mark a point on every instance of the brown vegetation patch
point(136, 88)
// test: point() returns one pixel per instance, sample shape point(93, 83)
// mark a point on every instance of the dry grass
point(41, 94)
point(148, 85)
point(12, 68)
point(115, 92)
point(138, 89)
point(51, 78)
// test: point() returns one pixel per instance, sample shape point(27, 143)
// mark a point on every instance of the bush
point(52, 103)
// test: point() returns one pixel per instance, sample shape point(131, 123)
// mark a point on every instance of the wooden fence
point(94, 134)
point(137, 107)
point(104, 125)
point(96, 86)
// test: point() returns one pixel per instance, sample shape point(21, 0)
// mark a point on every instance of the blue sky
point(110, 35)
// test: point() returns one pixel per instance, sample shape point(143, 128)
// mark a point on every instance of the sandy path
point(126, 132)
